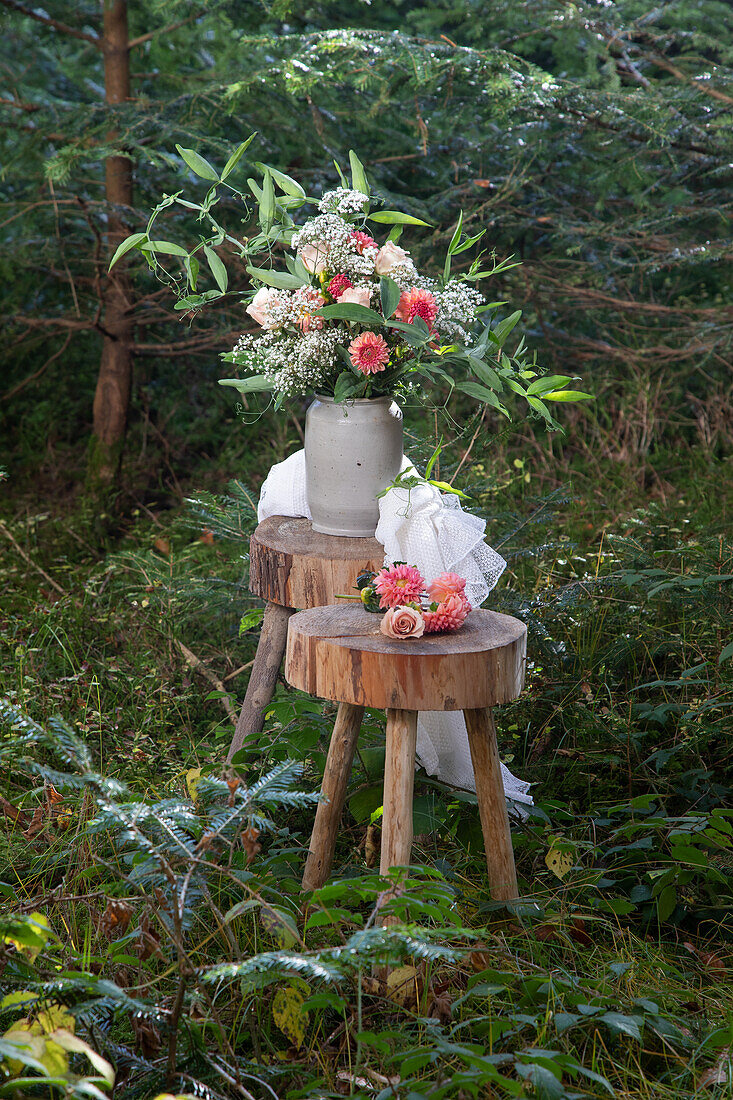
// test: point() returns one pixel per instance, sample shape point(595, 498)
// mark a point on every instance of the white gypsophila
point(458, 306)
point(289, 307)
point(348, 259)
point(294, 365)
point(343, 201)
point(405, 275)
point(328, 231)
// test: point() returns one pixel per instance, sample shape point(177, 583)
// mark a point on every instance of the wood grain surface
point(339, 653)
point(292, 565)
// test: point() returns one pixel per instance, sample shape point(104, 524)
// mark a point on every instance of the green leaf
point(346, 386)
point(192, 270)
point(131, 242)
point(481, 393)
point(350, 311)
point(567, 395)
point(456, 234)
point(281, 279)
point(390, 295)
point(396, 217)
point(267, 202)
point(453, 243)
point(433, 459)
point(193, 301)
point(413, 332)
point(341, 176)
point(256, 383)
point(250, 620)
point(218, 270)
point(725, 653)
point(486, 373)
point(666, 903)
point(237, 155)
point(167, 247)
point(623, 1025)
point(359, 180)
point(501, 332)
point(286, 183)
point(198, 164)
point(549, 382)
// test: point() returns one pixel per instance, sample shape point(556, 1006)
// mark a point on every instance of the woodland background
point(593, 141)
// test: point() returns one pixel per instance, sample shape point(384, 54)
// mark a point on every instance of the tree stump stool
point(339, 653)
point(292, 566)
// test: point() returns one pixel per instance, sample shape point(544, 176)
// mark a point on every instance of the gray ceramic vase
point(353, 451)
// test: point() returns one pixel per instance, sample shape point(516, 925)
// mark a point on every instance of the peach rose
point(313, 257)
point(259, 307)
point(388, 257)
point(403, 622)
point(356, 295)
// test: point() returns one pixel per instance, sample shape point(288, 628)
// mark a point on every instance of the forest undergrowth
point(153, 932)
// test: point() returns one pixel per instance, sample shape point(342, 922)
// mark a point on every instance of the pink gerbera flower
point(447, 584)
point(450, 615)
point(338, 285)
point(417, 303)
point(362, 241)
point(369, 353)
point(398, 585)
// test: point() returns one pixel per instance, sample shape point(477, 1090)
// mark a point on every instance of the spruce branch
point(73, 32)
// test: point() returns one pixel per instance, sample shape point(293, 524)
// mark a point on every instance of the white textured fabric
point(430, 530)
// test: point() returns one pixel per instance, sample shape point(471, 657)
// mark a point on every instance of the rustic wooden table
point(339, 653)
point(291, 566)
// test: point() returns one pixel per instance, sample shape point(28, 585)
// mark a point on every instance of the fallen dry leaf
point(250, 843)
point(719, 1074)
point(115, 919)
point(402, 986)
point(372, 845)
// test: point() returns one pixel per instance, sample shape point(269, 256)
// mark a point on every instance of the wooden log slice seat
point(292, 566)
point(339, 653)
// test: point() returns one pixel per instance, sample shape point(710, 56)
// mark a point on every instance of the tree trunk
point(114, 382)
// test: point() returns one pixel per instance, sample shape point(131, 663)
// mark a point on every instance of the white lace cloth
point(429, 529)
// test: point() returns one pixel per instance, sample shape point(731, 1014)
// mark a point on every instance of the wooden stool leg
point(492, 803)
point(262, 680)
point(335, 780)
point(399, 784)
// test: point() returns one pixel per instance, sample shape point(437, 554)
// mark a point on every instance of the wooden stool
point(339, 653)
point(292, 566)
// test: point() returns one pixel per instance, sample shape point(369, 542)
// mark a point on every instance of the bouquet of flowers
point(339, 310)
point(353, 317)
point(412, 607)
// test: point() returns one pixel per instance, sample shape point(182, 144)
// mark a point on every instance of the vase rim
point(353, 400)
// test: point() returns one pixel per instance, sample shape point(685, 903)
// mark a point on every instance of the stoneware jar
point(353, 450)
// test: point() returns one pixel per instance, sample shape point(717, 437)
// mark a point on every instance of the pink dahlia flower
point(338, 285)
point(447, 584)
point(362, 241)
point(402, 622)
point(369, 353)
point(400, 584)
point(450, 615)
point(417, 303)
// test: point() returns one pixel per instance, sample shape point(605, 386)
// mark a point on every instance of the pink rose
point(356, 295)
point(390, 255)
point(313, 257)
point(402, 622)
point(260, 306)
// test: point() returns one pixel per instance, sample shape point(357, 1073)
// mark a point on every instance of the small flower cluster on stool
point(412, 606)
